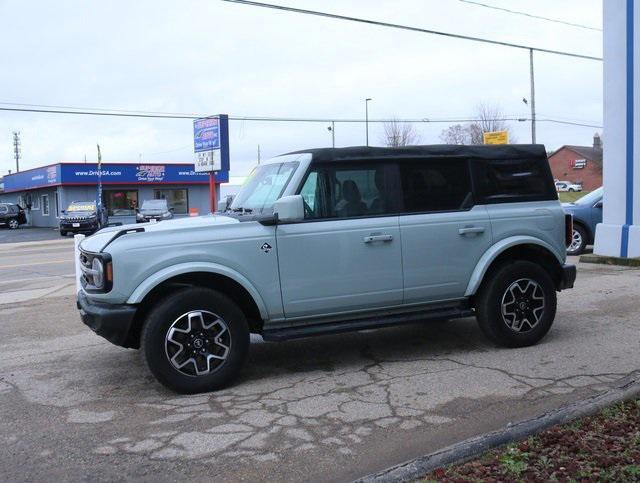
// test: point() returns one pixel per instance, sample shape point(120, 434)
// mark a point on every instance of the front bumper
point(568, 277)
point(85, 227)
point(113, 322)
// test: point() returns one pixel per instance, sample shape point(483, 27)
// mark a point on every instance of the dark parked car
point(12, 215)
point(83, 217)
point(154, 210)
point(587, 213)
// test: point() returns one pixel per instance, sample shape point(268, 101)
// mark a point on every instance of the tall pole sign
point(211, 148)
point(99, 193)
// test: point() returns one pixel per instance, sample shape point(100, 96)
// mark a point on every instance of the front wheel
point(517, 305)
point(196, 340)
point(13, 224)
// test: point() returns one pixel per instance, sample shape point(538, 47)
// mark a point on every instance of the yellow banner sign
point(496, 137)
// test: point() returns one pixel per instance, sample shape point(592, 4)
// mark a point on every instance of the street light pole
point(332, 128)
point(366, 117)
point(533, 99)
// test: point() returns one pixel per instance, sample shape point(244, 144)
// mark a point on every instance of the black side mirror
point(171, 210)
point(598, 204)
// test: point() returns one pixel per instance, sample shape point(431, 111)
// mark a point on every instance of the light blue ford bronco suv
point(332, 240)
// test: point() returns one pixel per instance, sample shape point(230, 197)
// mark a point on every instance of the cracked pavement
point(335, 408)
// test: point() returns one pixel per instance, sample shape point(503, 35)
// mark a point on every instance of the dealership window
point(35, 202)
point(176, 199)
point(121, 202)
point(45, 205)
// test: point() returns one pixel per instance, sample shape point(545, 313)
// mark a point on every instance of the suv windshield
point(263, 187)
point(590, 198)
point(82, 206)
point(155, 205)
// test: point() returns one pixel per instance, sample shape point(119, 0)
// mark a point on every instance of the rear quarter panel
point(543, 220)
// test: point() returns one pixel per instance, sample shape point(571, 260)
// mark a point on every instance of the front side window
point(121, 202)
point(263, 187)
point(436, 185)
point(509, 180)
point(351, 191)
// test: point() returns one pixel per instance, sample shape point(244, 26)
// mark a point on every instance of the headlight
point(98, 273)
point(166, 215)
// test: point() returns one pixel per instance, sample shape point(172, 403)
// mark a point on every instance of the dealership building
point(48, 190)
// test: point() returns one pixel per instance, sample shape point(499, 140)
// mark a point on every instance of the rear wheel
point(196, 340)
point(517, 305)
point(578, 241)
point(13, 223)
point(63, 233)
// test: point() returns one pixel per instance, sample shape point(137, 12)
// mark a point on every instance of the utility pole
point(533, 99)
point(366, 117)
point(16, 149)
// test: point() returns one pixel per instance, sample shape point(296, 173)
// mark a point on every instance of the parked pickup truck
point(333, 240)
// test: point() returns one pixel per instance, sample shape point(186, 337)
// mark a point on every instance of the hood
point(96, 243)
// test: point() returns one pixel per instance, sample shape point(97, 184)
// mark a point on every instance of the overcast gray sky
point(212, 57)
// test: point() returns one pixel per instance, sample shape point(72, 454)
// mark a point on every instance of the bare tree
point(488, 118)
point(398, 134)
point(455, 134)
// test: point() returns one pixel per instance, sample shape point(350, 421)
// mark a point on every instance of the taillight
point(568, 229)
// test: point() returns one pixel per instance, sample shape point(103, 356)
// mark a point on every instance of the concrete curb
point(625, 262)
point(628, 388)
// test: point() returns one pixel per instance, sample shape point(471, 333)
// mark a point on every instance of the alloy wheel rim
point(198, 343)
point(576, 241)
point(523, 305)
point(13, 224)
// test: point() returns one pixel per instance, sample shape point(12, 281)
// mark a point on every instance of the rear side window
point(510, 180)
point(436, 185)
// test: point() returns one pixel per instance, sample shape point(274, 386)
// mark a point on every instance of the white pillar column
point(619, 233)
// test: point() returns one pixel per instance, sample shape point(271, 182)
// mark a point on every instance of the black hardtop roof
point(502, 151)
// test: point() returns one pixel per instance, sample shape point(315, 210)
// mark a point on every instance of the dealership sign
point(211, 143)
point(87, 174)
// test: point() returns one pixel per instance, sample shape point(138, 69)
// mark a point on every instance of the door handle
point(473, 230)
point(377, 238)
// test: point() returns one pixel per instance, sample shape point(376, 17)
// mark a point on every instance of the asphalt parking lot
point(28, 234)
point(74, 407)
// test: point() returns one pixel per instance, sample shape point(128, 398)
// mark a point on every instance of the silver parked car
point(332, 240)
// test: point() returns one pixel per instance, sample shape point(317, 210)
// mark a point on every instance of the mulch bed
point(605, 447)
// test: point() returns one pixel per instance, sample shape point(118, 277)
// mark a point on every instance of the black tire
point(500, 286)
point(63, 233)
point(577, 247)
point(13, 223)
point(571, 190)
point(174, 308)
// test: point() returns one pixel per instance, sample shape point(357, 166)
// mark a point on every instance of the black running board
point(362, 324)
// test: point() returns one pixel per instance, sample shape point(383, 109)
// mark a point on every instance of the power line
point(286, 119)
point(530, 15)
point(412, 29)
